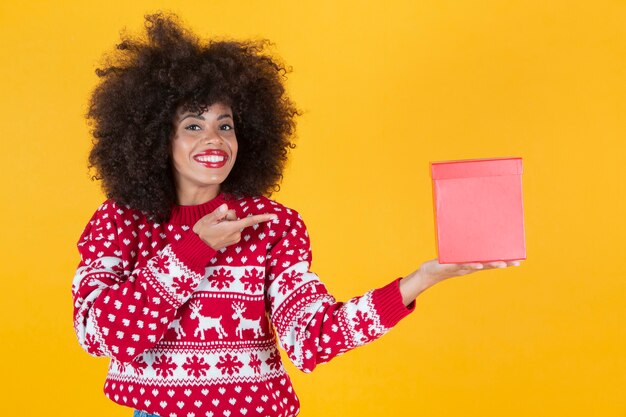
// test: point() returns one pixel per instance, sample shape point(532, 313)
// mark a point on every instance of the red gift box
point(479, 211)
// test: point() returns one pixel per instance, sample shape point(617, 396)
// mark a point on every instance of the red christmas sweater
point(191, 332)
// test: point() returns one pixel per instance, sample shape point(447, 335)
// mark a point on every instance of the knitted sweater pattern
point(194, 332)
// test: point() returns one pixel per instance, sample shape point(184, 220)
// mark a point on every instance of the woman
point(188, 268)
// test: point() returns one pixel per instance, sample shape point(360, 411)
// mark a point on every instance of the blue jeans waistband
point(138, 413)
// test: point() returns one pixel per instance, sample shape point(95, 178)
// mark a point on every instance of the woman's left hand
point(432, 272)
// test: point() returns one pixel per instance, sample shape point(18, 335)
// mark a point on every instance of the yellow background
point(386, 87)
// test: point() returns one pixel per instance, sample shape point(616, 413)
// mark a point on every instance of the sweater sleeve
point(121, 311)
point(311, 325)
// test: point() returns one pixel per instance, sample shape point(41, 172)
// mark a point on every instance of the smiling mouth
point(215, 159)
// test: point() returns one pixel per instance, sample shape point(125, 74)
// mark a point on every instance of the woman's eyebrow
point(192, 115)
point(200, 117)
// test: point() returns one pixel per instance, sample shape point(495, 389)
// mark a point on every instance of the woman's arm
point(312, 326)
point(121, 311)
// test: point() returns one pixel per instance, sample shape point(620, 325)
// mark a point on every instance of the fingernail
point(273, 217)
point(223, 208)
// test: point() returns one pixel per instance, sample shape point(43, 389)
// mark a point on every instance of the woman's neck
point(196, 196)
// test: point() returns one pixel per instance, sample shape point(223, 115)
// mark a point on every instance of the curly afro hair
point(145, 81)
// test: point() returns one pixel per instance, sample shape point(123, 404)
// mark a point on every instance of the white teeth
point(210, 158)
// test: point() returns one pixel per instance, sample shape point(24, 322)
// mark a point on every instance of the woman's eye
point(226, 127)
point(192, 127)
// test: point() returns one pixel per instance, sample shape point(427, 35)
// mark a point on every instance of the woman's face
point(204, 149)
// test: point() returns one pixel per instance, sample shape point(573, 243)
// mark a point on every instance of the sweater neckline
point(189, 215)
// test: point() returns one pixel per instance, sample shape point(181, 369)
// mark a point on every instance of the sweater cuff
point(192, 251)
point(388, 303)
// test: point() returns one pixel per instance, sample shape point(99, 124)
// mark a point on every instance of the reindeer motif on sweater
point(244, 323)
point(206, 323)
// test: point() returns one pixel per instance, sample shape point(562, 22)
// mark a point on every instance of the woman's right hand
point(221, 228)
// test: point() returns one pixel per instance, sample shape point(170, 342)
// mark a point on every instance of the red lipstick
point(212, 158)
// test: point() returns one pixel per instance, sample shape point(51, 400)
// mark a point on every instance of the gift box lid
point(476, 168)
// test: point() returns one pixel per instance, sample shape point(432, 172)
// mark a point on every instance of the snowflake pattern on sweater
point(194, 332)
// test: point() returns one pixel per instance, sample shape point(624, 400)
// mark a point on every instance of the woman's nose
point(213, 137)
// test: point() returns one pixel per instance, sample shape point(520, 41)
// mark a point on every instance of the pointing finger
point(252, 220)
